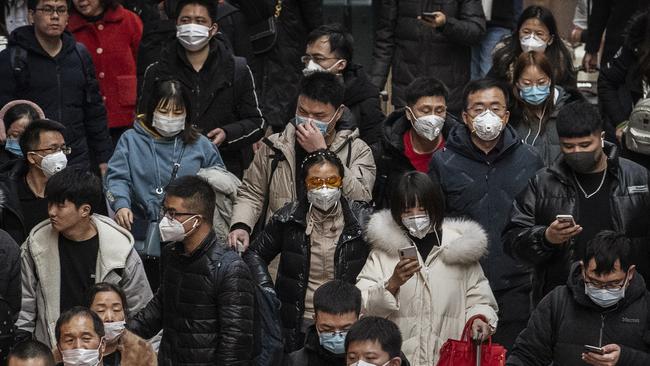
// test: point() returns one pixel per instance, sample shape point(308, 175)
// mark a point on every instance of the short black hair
point(208, 4)
point(416, 188)
point(578, 119)
point(32, 4)
point(31, 137)
point(32, 349)
point(323, 87)
point(198, 194)
point(376, 329)
point(106, 287)
point(605, 248)
point(76, 185)
point(337, 297)
point(485, 84)
point(74, 312)
point(425, 87)
point(319, 157)
point(341, 42)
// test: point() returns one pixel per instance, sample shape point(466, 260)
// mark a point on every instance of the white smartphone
point(428, 14)
point(408, 253)
point(240, 247)
point(565, 218)
point(594, 349)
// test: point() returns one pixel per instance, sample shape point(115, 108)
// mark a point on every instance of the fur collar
point(463, 241)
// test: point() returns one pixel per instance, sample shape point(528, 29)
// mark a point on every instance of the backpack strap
point(18, 60)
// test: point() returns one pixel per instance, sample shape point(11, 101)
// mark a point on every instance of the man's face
point(196, 14)
point(49, 142)
point(49, 23)
point(590, 143)
point(428, 105)
point(329, 323)
point(320, 52)
point(13, 361)
point(314, 109)
point(79, 332)
point(482, 100)
point(371, 352)
point(613, 280)
point(64, 216)
point(176, 209)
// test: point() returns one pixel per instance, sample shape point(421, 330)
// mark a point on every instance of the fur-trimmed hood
point(463, 241)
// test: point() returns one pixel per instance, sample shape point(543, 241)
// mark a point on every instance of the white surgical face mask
point(113, 330)
point(324, 198)
point(429, 126)
point(193, 36)
point(81, 357)
point(364, 363)
point(418, 225)
point(168, 126)
point(53, 163)
point(172, 230)
point(487, 125)
point(313, 67)
point(532, 43)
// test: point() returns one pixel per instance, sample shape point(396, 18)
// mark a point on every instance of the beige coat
point(117, 263)
point(357, 183)
point(434, 304)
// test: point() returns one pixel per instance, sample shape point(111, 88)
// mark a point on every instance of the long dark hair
point(557, 52)
point(539, 60)
point(171, 91)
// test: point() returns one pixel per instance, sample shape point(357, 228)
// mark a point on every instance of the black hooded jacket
point(64, 88)
point(552, 191)
point(362, 98)
point(567, 319)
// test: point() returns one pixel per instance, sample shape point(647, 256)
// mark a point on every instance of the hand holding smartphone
point(565, 218)
point(408, 253)
point(594, 349)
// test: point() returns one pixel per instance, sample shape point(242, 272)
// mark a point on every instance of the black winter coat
point(11, 215)
point(204, 306)
point(285, 234)
point(10, 285)
point(389, 155)
point(220, 97)
point(413, 49)
point(552, 191)
point(567, 319)
point(63, 90)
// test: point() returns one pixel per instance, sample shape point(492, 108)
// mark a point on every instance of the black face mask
point(583, 162)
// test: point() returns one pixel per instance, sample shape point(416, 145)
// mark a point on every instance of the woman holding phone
point(423, 272)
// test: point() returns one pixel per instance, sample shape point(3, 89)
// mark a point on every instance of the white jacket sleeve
point(135, 284)
point(376, 300)
point(479, 297)
point(28, 309)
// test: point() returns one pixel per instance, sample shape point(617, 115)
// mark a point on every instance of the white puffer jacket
point(434, 304)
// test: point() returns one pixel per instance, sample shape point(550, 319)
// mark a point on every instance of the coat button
point(101, 74)
point(100, 27)
point(104, 99)
point(100, 51)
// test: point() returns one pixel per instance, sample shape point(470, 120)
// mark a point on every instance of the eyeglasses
point(50, 10)
point(55, 149)
point(331, 182)
point(616, 285)
point(172, 214)
point(317, 59)
point(477, 109)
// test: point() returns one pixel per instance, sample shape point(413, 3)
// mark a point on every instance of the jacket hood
point(358, 86)
point(463, 241)
point(394, 127)
point(460, 140)
point(25, 38)
point(576, 285)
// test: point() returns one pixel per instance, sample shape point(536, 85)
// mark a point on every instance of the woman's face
point(536, 27)
point(17, 128)
point(170, 109)
point(89, 8)
point(414, 211)
point(533, 76)
point(108, 305)
point(325, 174)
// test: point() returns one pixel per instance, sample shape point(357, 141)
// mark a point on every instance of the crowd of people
point(201, 182)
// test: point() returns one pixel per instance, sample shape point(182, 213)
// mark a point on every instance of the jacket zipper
point(58, 84)
point(602, 326)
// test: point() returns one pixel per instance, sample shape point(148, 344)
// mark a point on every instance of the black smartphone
point(594, 349)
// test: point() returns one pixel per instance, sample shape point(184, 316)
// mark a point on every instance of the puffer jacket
point(436, 302)
point(544, 138)
point(204, 306)
point(354, 153)
point(389, 155)
point(411, 49)
point(567, 319)
point(117, 263)
point(552, 191)
point(285, 234)
point(484, 192)
point(11, 215)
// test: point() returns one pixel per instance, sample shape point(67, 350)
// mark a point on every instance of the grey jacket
point(41, 279)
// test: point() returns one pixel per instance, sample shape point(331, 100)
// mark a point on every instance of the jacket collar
point(208, 242)
point(77, 21)
point(312, 344)
point(26, 38)
point(463, 241)
point(564, 174)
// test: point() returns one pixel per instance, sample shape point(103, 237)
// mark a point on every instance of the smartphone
point(428, 14)
point(594, 349)
point(408, 253)
point(565, 218)
point(240, 247)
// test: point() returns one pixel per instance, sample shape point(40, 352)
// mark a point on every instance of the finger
point(412, 264)
point(246, 241)
point(129, 216)
point(212, 133)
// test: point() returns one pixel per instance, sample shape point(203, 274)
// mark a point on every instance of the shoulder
point(632, 170)
point(384, 234)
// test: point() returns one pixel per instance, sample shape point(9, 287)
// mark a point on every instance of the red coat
point(113, 44)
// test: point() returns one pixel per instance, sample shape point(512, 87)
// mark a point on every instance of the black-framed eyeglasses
point(317, 59)
point(496, 108)
point(172, 214)
point(50, 10)
point(606, 285)
point(55, 149)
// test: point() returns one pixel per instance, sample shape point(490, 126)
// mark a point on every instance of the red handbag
point(464, 352)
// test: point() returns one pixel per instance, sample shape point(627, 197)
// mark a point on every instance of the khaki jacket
point(357, 183)
point(117, 263)
point(434, 304)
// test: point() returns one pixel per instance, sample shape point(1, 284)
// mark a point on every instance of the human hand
point(480, 330)
point(218, 136)
point(124, 217)
point(436, 20)
point(559, 232)
point(240, 235)
point(404, 270)
point(310, 138)
point(590, 62)
point(610, 358)
point(576, 35)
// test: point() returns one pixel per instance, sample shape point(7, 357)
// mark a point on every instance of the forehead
point(194, 10)
point(434, 101)
point(533, 72)
point(107, 297)
point(534, 24)
point(580, 140)
point(320, 45)
point(487, 96)
point(54, 3)
point(314, 106)
point(323, 170)
point(79, 324)
point(364, 347)
point(175, 203)
point(327, 318)
point(46, 138)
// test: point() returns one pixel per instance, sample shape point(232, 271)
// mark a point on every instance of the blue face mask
point(13, 147)
point(535, 94)
point(333, 342)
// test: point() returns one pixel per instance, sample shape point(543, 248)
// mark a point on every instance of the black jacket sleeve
point(10, 284)
point(384, 42)
point(148, 322)
point(600, 11)
point(236, 303)
point(612, 76)
point(8, 85)
point(95, 122)
point(523, 238)
point(468, 27)
point(370, 120)
point(631, 356)
point(266, 246)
